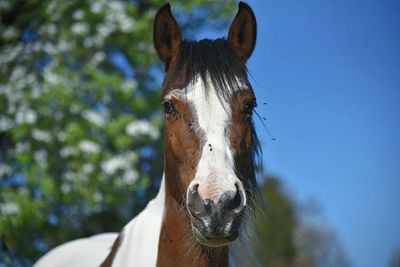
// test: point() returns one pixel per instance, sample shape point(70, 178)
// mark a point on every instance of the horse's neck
point(139, 239)
point(177, 246)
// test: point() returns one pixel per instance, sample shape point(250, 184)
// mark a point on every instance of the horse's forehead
point(204, 96)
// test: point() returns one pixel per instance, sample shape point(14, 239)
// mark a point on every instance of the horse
point(210, 157)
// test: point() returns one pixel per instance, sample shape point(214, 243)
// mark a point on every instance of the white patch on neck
point(138, 245)
point(140, 237)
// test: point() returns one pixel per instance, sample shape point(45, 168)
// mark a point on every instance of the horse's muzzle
point(216, 225)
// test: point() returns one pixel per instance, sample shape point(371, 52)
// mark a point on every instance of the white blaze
point(215, 171)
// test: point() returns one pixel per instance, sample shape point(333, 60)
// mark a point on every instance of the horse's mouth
point(213, 241)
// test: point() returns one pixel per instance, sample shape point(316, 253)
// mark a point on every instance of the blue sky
point(330, 73)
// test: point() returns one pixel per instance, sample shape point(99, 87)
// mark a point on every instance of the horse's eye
point(248, 108)
point(169, 107)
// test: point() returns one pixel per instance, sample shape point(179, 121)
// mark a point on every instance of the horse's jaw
point(215, 242)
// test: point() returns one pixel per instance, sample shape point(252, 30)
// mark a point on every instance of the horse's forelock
point(214, 62)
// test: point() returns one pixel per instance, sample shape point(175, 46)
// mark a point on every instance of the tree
point(395, 258)
point(276, 221)
point(80, 124)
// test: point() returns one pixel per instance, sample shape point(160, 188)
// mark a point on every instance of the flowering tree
point(80, 124)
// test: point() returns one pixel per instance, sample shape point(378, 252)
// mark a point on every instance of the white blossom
point(94, 117)
point(9, 208)
point(130, 176)
point(118, 162)
point(79, 14)
point(79, 28)
point(129, 85)
point(126, 24)
point(66, 188)
point(88, 168)
point(97, 6)
point(25, 115)
point(98, 196)
point(40, 157)
point(98, 57)
point(41, 135)
point(22, 191)
point(21, 147)
point(18, 72)
point(33, 83)
point(5, 123)
point(5, 4)
point(64, 45)
point(52, 7)
point(69, 176)
point(104, 29)
point(142, 127)
point(111, 165)
point(75, 108)
point(10, 32)
point(37, 46)
point(143, 47)
point(13, 95)
point(88, 42)
point(5, 169)
point(58, 115)
point(51, 77)
point(98, 40)
point(62, 136)
point(89, 146)
point(68, 151)
point(11, 53)
point(50, 29)
point(115, 6)
point(49, 48)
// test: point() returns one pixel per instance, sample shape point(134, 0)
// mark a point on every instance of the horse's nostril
point(236, 202)
point(230, 202)
point(195, 202)
point(233, 200)
point(194, 188)
point(208, 205)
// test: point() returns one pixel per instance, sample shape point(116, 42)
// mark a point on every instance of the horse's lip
point(217, 241)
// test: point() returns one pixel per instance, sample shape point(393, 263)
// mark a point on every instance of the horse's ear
point(167, 36)
point(243, 32)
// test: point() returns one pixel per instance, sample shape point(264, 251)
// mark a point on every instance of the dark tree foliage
point(395, 259)
point(276, 222)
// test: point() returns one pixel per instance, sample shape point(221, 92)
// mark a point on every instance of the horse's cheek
point(175, 140)
point(173, 145)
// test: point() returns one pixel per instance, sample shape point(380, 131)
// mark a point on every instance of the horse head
point(210, 142)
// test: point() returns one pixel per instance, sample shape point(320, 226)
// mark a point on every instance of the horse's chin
point(215, 241)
